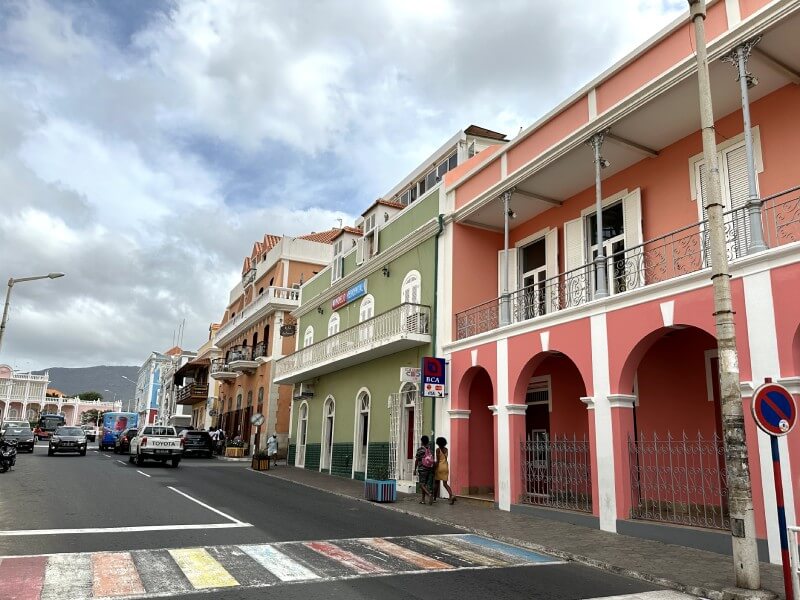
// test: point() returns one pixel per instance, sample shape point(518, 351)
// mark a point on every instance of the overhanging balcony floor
point(243, 365)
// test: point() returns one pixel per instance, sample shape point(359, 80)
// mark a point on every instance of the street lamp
point(11, 282)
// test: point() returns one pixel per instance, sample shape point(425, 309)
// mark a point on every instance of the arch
point(260, 290)
point(328, 425)
point(411, 290)
point(249, 397)
point(409, 428)
point(302, 435)
point(13, 415)
point(363, 407)
point(366, 309)
point(260, 395)
point(333, 324)
point(473, 439)
point(308, 336)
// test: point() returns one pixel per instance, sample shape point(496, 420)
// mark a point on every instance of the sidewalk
point(685, 569)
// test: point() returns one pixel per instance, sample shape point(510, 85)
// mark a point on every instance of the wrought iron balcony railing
point(677, 253)
point(401, 322)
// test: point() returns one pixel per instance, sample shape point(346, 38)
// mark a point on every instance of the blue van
point(115, 423)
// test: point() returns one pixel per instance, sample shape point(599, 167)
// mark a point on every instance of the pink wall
point(478, 183)
point(748, 7)
point(481, 433)
point(474, 266)
point(465, 167)
point(568, 415)
point(787, 317)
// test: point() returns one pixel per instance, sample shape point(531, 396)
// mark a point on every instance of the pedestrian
point(272, 449)
point(221, 441)
point(424, 464)
point(443, 467)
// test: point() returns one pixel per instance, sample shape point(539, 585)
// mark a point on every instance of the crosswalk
point(176, 571)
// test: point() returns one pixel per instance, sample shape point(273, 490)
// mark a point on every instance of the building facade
point(22, 395)
point(607, 409)
point(364, 324)
point(197, 391)
point(148, 386)
point(249, 339)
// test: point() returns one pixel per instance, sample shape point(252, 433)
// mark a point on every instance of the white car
point(90, 431)
point(156, 442)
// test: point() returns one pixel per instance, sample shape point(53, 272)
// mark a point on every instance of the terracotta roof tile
point(174, 351)
point(325, 237)
point(382, 202)
point(346, 229)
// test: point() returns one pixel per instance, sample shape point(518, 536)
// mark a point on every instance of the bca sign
point(434, 378)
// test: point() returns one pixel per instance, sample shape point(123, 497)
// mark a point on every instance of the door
point(613, 245)
point(327, 435)
point(362, 433)
point(532, 299)
point(537, 439)
point(302, 431)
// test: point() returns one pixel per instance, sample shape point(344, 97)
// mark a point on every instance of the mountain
point(95, 379)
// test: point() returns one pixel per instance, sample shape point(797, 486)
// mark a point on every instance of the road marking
point(501, 547)
point(204, 505)
point(134, 529)
point(22, 578)
point(114, 574)
point(415, 558)
point(354, 562)
point(477, 556)
point(201, 569)
point(121, 462)
point(277, 563)
point(159, 573)
point(145, 474)
point(657, 595)
point(68, 576)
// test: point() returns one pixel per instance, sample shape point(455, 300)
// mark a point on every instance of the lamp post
point(11, 282)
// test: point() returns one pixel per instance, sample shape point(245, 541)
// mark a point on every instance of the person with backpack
point(424, 465)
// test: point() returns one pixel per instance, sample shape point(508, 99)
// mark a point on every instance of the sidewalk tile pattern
point(176, 571)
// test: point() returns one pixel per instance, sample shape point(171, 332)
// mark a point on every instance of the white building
point(22, 395)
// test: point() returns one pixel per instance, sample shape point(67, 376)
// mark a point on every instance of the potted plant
point(380, 488)
point(234, 449)
point(260, 461)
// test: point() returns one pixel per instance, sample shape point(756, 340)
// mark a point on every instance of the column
point(589, 402)
point(516, 436)
point(501, 427)
point(623, 430)
point(24, 411)
point(459, 449)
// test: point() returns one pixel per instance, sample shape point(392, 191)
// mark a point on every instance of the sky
point(146, 144)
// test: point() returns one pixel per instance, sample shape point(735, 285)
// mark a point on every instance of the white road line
point(145, 474)
point(23, 532)
point(121, 462)
point(204, 505)
point(657, 595)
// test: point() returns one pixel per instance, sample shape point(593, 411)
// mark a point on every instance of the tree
point(90, 396)
point(92, 416)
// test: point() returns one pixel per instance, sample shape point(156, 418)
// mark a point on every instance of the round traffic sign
point(257, 419)
point(774, 409)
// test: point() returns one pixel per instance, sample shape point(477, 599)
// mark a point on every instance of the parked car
point(197, 442)
point(91, 432)
point(156, 442)
point(7, 424)
point(22, 435)
point(67, 439)
point(123, 443)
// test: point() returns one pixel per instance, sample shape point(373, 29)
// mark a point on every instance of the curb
point(700, 591)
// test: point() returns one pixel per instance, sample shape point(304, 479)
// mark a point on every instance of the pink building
point(606, 410)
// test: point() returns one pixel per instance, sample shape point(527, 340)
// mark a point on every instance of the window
point(367, 309)
point(238, 401)
point(250, 398)
point(411, 291)
point(302, 433)
point(308, 338)
point(328, 418)
point(337, 248)
point(338, 261)
point(534, 274)
point(369, 223)
point(260, 396)
point(362, 431)
point(260, 291)
point(613, 245)
point(333, 324)
point(266, 340)
point(471, 150)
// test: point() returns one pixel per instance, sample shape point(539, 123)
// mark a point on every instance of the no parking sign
point(774, 409)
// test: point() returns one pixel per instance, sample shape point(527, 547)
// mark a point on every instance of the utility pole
point(601, 287)
point(505, 300)
point(740, 493)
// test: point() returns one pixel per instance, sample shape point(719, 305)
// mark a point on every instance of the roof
point(174, 351)
point(347, 229)
point(324, 237)
point(382, 202)
point(479, 131)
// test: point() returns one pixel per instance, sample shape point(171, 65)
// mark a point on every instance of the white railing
point(272, 295)
point(794, 539)
point(406, 319)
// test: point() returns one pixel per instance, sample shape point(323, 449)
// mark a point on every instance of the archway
point(555, 445)
point(677, 460)
point(302, 435)
point(482, 444)
point(328, 421)
point(361, 442)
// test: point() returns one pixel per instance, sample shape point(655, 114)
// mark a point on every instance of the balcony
point(678, 253)
point(400, 328)
point(260, 352)
point(222, 371)
point(273, 298)
point(192, 393)
point(240, 358)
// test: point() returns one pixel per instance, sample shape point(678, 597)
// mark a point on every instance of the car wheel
point(175, 462)
point(139, 460)
point(3, 467)
point(50, 452)
point(83, 452)
point(130, 458)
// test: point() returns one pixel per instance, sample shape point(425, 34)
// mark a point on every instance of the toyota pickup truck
point(156, 442)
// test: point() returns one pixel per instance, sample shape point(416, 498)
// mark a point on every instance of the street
point(96, 526)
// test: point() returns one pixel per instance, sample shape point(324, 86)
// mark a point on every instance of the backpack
point(427, 460)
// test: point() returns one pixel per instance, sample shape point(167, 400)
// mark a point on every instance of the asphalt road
point(216, 527)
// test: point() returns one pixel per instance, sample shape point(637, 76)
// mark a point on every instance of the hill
point(97, 379)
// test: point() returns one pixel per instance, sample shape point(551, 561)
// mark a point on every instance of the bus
point(115, 423)
point(47, 424)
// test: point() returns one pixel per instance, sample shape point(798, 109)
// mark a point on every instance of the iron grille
point(558, 473)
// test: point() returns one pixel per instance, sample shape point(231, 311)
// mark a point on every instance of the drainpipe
point(435, 313)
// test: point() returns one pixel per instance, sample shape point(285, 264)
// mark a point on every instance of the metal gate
point(557, 472)
point(679, 480)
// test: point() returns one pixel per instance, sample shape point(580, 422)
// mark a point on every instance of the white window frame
point(333, 324)
point(412, 280)
point(359, 433)
point(368, 300)
point(308, 336)
point(326, 454)
point(302, 435)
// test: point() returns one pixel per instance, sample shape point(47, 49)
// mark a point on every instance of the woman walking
point(443, 467)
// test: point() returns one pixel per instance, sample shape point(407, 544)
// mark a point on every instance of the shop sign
point(354, 293)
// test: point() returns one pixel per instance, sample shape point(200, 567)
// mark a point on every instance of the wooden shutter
point(375, 240)
point(574, 244)
point(551, 269)
point(512, 271)
point(360, 245)
point(632, 218)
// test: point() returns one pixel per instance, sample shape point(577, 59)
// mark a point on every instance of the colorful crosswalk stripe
point(201, 569)
point(170, 572)
point(277, 563)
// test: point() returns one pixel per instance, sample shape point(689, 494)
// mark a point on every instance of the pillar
point(459, 450)
point(623, 430)
point(589, 402)
point(516, 436)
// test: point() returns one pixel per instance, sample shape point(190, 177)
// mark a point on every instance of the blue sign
point(774, 409)
point(434, 377)
point(354, 293)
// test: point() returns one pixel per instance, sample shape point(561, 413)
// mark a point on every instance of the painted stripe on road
point(415, 558)
point(201, 569)
point(68, 576)
point(143, 473)
point(474, 556)
point(22, 532)
point(356, 563)
point(114, 574)
point(242, 567)
point(277, 563)
point(505, 549)
point(22, 578)
point(159, 572)
point(204, 505)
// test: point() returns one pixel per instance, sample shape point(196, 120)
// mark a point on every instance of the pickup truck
point(156, 442)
